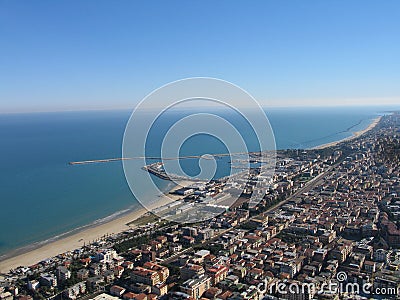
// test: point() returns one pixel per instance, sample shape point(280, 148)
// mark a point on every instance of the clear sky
point(57, 55)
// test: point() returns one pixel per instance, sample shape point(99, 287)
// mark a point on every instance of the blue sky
point(66, 55)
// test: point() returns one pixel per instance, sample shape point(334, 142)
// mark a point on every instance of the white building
point(106, 256)
point(33, 285)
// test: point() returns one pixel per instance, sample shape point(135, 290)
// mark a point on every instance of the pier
point(107, 160)
point(157, 170)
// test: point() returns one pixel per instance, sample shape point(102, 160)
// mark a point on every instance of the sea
point(43, 198)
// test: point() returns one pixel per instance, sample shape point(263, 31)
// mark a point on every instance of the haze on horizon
point(78, 55)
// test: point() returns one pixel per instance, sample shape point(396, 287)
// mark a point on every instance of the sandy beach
point(77, 240)
point(354, 136)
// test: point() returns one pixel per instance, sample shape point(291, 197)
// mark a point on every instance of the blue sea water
point(41, 196)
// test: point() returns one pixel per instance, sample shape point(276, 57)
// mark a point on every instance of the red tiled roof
point(129, 295)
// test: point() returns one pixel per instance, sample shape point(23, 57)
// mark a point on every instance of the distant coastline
point(352, 137)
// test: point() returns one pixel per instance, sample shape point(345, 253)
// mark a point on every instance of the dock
point(107, 160)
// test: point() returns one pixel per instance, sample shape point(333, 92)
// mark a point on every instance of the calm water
point(41, 196)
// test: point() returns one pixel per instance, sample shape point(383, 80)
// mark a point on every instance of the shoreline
point(39, 251)
point(76, 238)
point(354, 135)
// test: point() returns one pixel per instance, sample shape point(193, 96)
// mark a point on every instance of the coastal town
point(327, 226)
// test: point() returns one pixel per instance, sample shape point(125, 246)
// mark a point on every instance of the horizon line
point(99, 109)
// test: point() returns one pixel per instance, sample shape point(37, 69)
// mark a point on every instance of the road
point(307, 187)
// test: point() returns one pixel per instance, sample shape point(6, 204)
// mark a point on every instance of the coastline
point(352, 137)
point(40, 251)
point(37, 252)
